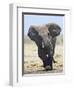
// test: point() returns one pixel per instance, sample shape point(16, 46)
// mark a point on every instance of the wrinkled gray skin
point(45, 38)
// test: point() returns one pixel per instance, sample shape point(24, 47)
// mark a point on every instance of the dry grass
point(33, 64)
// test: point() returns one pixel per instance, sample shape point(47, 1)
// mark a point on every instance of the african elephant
point(45, 38)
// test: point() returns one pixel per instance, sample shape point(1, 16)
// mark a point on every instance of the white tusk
point(47, 55)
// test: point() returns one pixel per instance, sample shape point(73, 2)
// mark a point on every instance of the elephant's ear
point(32, 31)
point(54, 29)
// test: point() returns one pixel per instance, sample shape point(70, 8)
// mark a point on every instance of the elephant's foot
point(48, 68)
point(48, 63)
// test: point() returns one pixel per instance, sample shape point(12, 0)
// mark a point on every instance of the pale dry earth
point(33, 64)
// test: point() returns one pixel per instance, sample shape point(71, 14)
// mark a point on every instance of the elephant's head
point(43, 34)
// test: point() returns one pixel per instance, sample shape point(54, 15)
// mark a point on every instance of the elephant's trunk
point(46, 43)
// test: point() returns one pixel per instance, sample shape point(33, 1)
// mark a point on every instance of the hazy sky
point(42, 19)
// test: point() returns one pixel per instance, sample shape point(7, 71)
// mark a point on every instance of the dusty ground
point(33, 64)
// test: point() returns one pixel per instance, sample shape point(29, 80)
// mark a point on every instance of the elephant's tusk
point(47, 55)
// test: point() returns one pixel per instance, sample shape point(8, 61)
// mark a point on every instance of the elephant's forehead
point(42, 29)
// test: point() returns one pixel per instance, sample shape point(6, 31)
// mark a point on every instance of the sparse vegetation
point(33, 64)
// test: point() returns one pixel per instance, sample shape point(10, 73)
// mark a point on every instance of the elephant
point(45, 38)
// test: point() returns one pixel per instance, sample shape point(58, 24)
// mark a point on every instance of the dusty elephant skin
point(45, 38)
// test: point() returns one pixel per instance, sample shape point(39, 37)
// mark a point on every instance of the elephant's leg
point(47, 61)
point(42, 55)
point(54, 42)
